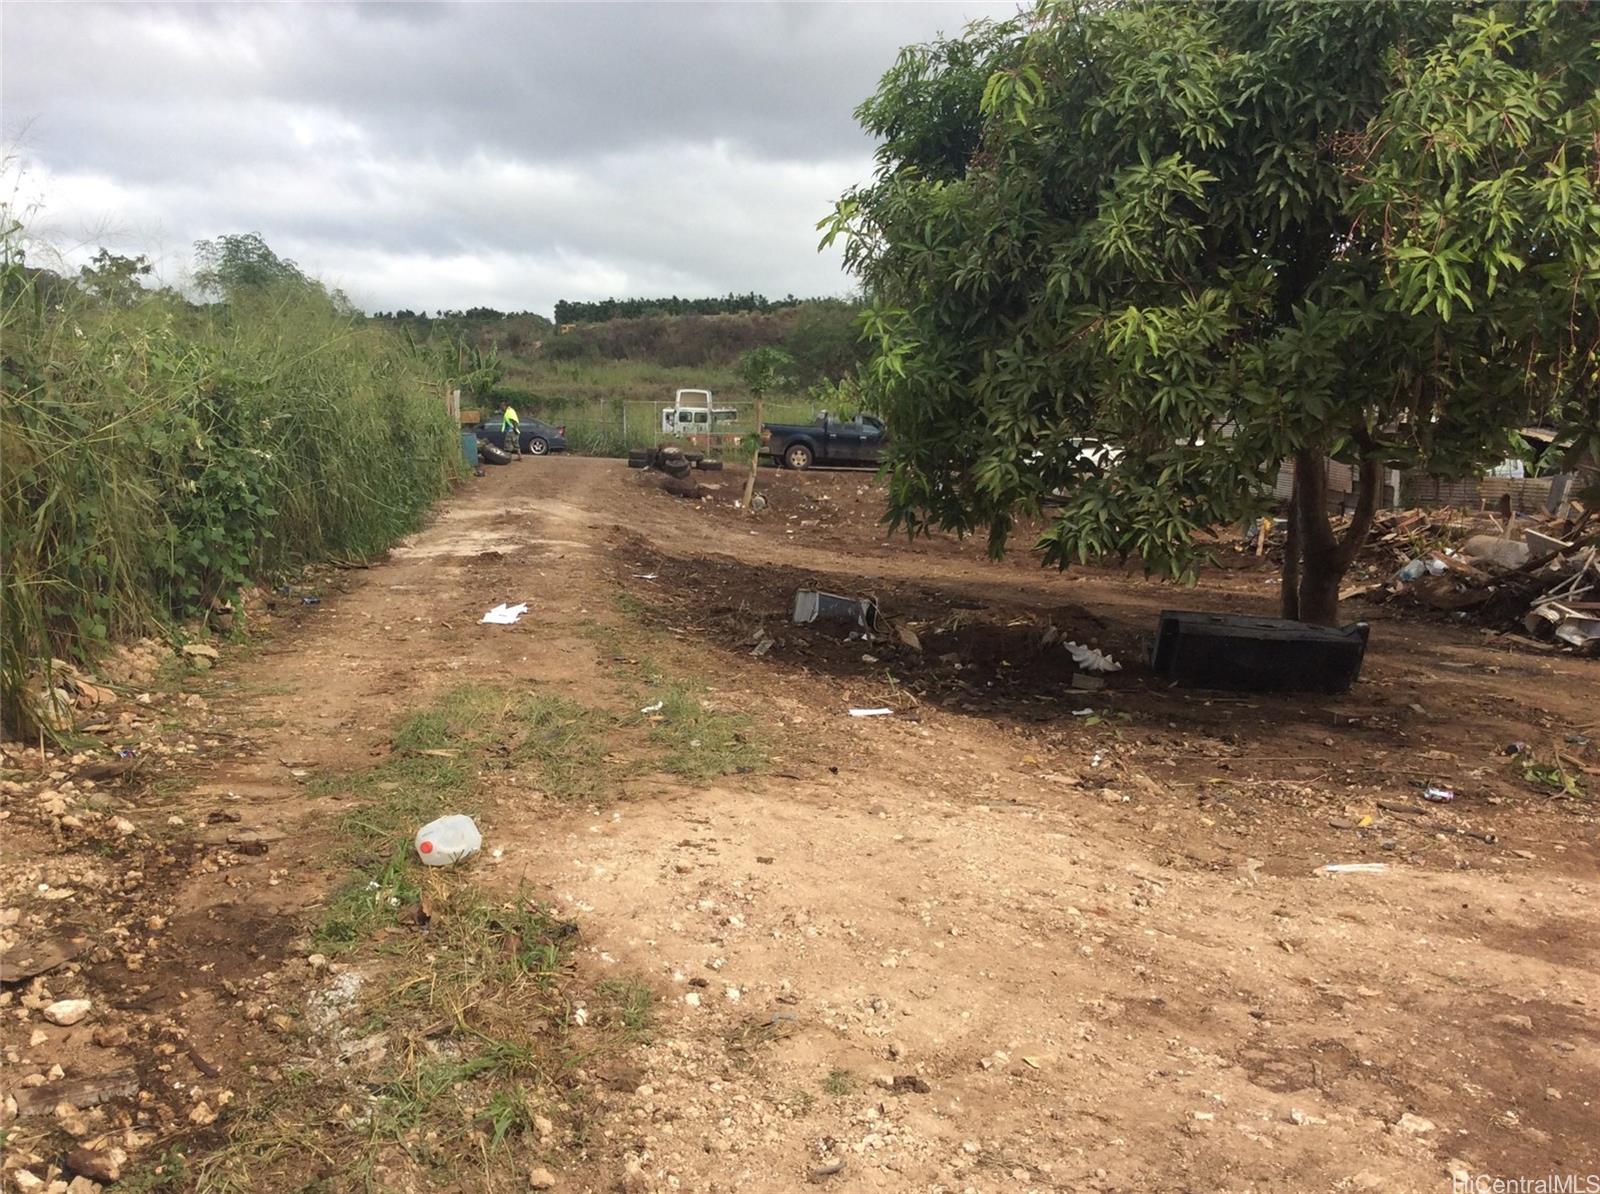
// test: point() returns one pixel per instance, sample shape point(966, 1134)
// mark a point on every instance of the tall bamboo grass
point(155, 457)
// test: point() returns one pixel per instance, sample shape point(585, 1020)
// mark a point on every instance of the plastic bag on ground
point(448, 840)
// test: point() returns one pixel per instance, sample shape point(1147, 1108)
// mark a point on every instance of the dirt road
point(979, 944)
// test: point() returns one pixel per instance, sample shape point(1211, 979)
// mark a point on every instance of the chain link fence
point(610, 428)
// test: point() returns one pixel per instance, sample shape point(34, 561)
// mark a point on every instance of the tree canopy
point(1165, 247)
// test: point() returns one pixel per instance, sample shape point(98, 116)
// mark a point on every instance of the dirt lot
point(1013, 936)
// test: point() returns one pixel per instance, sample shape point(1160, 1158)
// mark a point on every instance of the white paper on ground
point(870, 712)
point(505, 615)
point(1354, 868)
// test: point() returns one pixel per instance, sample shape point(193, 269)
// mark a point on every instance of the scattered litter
point(908, 637)
point(870, 712)
point(1090, 659)
point(1086, 712)
point(762, 647)
point(504, 614)
point(655, 708)
point(1576, 625)
point(644, 576)
point(311, 601)
point(1354, 868)
point(1515, 748)
point(1437, 794)
point(812, 606)
point(1417, 569)
point(448, 840)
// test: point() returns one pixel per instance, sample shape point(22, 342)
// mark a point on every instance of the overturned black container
point(1244, 654)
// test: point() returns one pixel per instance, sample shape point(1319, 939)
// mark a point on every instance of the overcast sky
point(454, 155)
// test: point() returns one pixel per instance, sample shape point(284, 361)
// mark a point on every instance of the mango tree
point(1126, 259)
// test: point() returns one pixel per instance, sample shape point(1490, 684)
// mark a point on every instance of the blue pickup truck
point(827, 440)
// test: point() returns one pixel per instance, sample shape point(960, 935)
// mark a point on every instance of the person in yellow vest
point(511, 431)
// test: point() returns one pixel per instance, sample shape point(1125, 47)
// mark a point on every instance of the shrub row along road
point(979, 944)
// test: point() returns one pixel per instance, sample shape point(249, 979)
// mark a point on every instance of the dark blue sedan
point(537, 438)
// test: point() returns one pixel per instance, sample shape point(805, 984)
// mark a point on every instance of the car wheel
point(538, 446)
point(798, 456)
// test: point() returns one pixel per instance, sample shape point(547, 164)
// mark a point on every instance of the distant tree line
point(472, 314)
point(605, 310)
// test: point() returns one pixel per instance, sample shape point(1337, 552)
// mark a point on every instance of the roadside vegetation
point(157, 453)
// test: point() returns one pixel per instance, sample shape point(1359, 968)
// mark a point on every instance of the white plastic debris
point(870, 712)
point(504, 614)
point(448, 840)
point(655, 708)
point(1091, 660)
point(1354, 868)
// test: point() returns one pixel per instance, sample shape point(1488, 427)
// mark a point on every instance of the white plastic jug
point(448, 840)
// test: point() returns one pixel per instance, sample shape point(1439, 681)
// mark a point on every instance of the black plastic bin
point(1257, 654)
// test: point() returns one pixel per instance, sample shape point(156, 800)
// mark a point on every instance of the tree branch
point(1355, 534)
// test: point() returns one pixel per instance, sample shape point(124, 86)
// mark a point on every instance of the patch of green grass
point(629, 1003)
point(628, 605)
point(367, 902)
point(699, 742)
point(838, 1083)
point(508, 1112)
point(171, 1172)
point(560, 739)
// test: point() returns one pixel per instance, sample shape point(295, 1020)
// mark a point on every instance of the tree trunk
point(755, 460)
point(1289, 590)
point(1315, 559)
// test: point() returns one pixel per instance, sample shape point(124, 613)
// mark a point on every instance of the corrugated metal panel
point(1284, 485)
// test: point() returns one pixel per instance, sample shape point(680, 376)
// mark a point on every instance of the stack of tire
point(492, 453)
point(672, 460)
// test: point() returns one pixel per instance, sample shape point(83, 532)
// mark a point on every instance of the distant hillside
point(821, 335)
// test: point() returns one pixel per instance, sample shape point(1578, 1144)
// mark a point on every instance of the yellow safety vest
point(511, 416)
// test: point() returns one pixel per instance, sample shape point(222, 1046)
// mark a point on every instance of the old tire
point(538, 446)
point(710, 466)
point(490, 454)
point(798, 456)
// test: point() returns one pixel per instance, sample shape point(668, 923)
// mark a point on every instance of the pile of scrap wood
point(1542, 575)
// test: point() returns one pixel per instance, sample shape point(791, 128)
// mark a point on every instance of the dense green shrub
point(155, 456)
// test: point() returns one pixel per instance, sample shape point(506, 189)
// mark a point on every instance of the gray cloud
point(446, 155)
